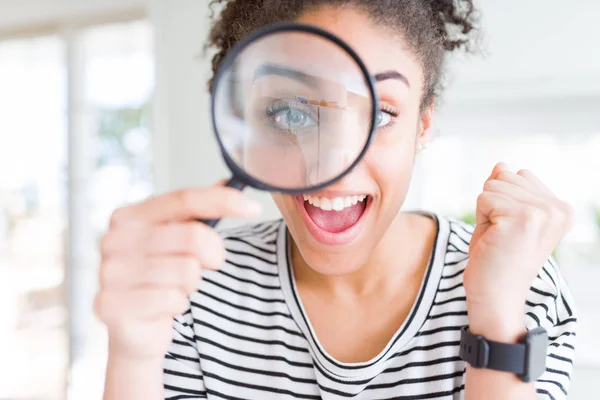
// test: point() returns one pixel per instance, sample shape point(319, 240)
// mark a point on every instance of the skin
point(152, 254)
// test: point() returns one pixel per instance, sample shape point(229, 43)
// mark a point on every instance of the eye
point(385, 116)
point(290, 117)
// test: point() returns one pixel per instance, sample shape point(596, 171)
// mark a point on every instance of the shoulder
point(460, 233)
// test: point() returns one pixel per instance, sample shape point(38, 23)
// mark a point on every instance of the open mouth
point(334, 220)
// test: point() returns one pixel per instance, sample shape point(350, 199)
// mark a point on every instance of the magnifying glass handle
point(233, 182)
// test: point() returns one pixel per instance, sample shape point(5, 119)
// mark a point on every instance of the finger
point(182, 273)
point(513, 191)
point(528, 175)
point(113, 306)
point(188, 204)
point(491, 205)
point(188, 239)
point(124, 239)
point(499, 167)
point(520, 181)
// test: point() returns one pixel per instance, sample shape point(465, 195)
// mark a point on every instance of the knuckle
point(482, 198)
point(489, 185)
point(110, 242)
point(101, 306)
point(182, 304)
point(185, 198)
point(219, 249)
point(106, 243)
point(556, 213)
point(567, 209)
point(215, 250)
point(105, 275)
point(194, 237)
point(190, 267)
point(119, 215)
point(568, 213)
point(504, 175)
point(177, 300)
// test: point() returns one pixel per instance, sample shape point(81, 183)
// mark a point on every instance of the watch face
point(536, 343)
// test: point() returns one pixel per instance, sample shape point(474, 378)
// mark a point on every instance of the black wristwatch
point(527, 358)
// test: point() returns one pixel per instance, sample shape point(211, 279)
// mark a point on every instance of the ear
point(426, 125)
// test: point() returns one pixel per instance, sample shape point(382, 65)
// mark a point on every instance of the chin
point(333, 263)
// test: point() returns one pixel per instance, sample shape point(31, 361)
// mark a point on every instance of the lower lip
point(329, 238)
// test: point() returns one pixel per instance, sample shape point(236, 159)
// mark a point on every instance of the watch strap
point(483, 353)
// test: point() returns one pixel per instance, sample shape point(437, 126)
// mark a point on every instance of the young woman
point(365, 302)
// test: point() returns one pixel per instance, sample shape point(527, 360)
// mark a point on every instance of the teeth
point(336, 203)
point(325, 204)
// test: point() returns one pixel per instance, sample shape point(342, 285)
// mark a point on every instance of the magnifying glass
point(293, 109)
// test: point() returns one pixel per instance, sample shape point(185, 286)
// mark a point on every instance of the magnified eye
point(291, 116)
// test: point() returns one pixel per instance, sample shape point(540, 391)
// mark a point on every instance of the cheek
point(286, 204)
point(390, 163)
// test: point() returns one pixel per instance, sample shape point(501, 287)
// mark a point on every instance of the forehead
point(380, 48)
point(301, 57)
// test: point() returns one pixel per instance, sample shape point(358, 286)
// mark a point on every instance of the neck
point(400, 256)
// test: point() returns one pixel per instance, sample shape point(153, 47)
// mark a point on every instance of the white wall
point(534, 47)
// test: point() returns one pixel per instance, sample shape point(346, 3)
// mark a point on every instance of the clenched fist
point(519, 223)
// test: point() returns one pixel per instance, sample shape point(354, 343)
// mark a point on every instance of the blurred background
point(103, 103)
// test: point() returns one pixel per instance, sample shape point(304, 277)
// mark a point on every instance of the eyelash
point(393, 111)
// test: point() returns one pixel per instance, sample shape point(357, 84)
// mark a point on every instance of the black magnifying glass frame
point(240, 179)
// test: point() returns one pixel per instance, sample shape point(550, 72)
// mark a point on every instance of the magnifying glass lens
point(293, 110)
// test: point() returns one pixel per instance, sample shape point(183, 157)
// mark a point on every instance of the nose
point(341, 138)
point(330, 164)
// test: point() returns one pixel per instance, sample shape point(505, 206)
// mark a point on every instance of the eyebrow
point(312, 81)
point(279, 70)
point(382, 76)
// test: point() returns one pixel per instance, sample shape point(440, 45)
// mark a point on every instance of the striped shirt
point(247, 336)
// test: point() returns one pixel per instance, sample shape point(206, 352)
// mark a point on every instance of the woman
point(364, 302)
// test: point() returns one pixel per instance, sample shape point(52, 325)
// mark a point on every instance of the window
point(46, 291)
point(33, 160)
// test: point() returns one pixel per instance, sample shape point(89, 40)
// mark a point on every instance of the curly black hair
point(431, 27)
